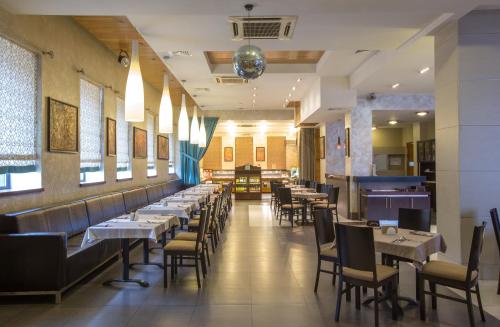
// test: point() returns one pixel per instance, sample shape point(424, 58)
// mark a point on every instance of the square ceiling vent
point(230, 80)
point(263, 27)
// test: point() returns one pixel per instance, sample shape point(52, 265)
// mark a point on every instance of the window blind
point(90, 127)
point(19, 108)
point(151, 140)
point(122, 138)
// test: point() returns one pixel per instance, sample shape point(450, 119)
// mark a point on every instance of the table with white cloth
point(194, 202)
point(304, 196)
point(199, 198)
point(183, 211)
point(129, 227)
point(201, 194)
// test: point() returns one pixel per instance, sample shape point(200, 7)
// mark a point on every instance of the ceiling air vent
point(247, 125)
point(230, 80)
point(264, 27)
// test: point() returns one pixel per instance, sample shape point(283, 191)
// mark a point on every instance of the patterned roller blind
point(122, 137)
point(90, 127)
point(19, 112)
point(151, 140)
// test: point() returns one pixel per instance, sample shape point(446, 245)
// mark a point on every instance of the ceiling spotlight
point(395, 86)
point(299, 79)
point(424, 70)
point(392, 122)
point(293, 88)
point(255, 89)
point(254, 95)
point(422, 113)
point(374, 128)
point(289, 95)
point(123, 58)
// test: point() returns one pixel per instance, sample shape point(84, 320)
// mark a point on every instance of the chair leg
point(479, 302)
point(281, 215)
point(394, 298)
point(205, 246)
point(421, 289)
point(498, 287)
point(197, 272)
point(334, 278)
point(317, 276)
point(203, 265)
point(469, 307)
point(165, 270)
point(172, 266)
point(417, 285)
point(290, 216)
point(433, 297)
point(375, 303)
point(347, 292)
point(339, 298)
point(357, 293)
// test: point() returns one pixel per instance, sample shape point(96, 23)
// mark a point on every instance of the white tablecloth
point(198, 198)
point(309, 195)
point(194, 203)
point(177, 209)
point(149, 227)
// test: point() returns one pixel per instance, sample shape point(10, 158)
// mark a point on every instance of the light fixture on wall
point(165, 123)
point(202, 143)
point(339, 144)
point(134, 91)
point(123, 58)
point(183, 126)
point(195, 129)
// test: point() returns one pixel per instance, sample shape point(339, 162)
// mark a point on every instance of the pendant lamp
point(195, 129)
point(183, 122)
point(134, 91)
point(165, 115)
point(202, 143)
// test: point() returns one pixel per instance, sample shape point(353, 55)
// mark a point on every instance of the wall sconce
point(339, 144)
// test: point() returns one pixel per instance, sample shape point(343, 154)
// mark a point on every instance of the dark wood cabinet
point(426, 150)
point(385, 205)
point(248, 183)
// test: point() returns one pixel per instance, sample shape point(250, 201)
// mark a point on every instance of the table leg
point(125, 273)
point(145, 244)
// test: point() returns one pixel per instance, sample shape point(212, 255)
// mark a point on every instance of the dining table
point(304, 197)
point(130, 227)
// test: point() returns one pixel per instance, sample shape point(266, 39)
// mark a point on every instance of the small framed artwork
point(163, 147)
point(322, 147)
point(63, 127)
point(260, 153)
point(111, 137)
point(140, 143)
point(347, 142)
point(228, 154)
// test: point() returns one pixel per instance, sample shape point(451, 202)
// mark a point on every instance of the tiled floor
point(262, 275)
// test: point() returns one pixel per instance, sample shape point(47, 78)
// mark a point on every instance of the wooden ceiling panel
point(273, 57)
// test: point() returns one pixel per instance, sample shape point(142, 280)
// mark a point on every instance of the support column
point(467, 61)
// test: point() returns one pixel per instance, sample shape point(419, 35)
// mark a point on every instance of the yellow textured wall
point(73, 48)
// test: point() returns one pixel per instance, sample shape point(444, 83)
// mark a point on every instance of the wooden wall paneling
point(213, 157)
point(276, 152)
point(243, 150)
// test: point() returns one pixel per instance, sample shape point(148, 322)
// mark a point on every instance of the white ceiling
point(340, 27)
point(233, 128)
point(380, 118)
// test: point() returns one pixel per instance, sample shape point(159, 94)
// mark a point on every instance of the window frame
point(154, 171)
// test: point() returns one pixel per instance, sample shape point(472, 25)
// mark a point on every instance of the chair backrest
point(201, 227)
point(285, 195)
point(476, 248)
point(323, 227)
point(414, 219)
point(333, 195)
point(313, 184)
point(356, 248)
point(209, 210)
point(496, 225)
point(320, 187)
point(307, 184)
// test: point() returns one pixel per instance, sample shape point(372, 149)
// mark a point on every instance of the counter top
point(389, 179)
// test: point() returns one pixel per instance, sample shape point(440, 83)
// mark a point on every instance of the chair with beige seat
point(358, 268)
point(325, 243)
point(178, 249)
point(288, 206)
point(330, 203)
point(453, 275)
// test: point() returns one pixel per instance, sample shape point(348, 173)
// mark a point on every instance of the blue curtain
point(191, 154)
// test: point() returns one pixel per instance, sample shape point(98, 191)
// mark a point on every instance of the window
point(151, 144)
point(123, 166)
point(91, 140)
point(19, 117)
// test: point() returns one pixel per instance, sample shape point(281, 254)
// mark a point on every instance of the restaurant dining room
point(231, 163)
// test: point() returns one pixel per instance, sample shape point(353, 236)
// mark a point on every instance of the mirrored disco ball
point(249, 62)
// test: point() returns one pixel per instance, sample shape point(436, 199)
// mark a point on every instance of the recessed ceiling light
point(374, 128)
point(293, 88)
point(422, 113)
point(286, 100)
point(395, 86)
point(299, 79)
point(392, 122)
point(289, 95)
point(254, 95)
point(255, 89)
point(424, 70)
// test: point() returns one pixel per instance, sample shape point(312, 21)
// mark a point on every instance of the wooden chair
point(358, 268)
point(457, 276)
point(288, 206)
point(325, 243)
point(331, 203)
point(186, 249)
point(496, 228)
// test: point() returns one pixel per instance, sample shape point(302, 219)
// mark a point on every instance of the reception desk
point(351, 187)
point(385, 204)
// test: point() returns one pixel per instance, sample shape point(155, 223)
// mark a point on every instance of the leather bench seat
point(154, 193)
point(135, 199)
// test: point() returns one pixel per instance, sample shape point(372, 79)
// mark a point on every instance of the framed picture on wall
point(260, 153)
point(140, 143)
point(322, 147)
point(63, 127)
point(228, 154)
point(110, 137)
point(163, 147)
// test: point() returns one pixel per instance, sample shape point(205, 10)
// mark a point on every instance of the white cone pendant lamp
point(202, 143)
point(134, 91)
point(195, 129)
point(183, 122)
point(166, 113)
